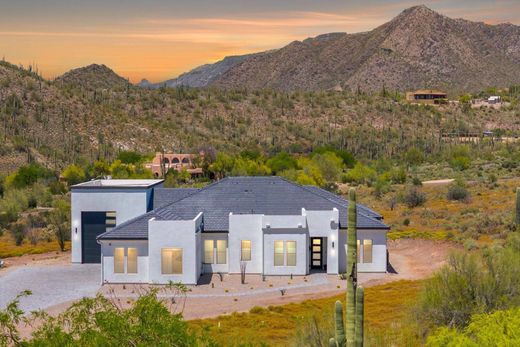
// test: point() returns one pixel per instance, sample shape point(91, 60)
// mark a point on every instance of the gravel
point(50, 285)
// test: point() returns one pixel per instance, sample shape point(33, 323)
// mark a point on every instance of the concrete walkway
point(50, 285)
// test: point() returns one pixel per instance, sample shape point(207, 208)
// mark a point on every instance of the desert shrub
point(414, 198)
point(281, 162)
point(361, 174)
point(471, 283)
point(413, 156)
point(129, 157)
point(460, 158)
point(73, 174)
point(27, 175)
point(470, 244)
point(406, 222)
point(101, 322)
point(19, 231)
point(499, 328)
point(457, 191)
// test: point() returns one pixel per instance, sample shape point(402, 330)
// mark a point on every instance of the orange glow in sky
point(166, 38)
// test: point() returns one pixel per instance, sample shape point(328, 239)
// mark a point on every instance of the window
point(367, 251)
point(131, 261)
point(119, 260)
point(221, 251)
point(245, 247)
point(208, 251)
point(171, 261)
point(110, 220)
point(358, 252)
point(291, 253)
point(278, 253)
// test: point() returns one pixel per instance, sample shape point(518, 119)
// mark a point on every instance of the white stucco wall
point(107, 256)
point(302, 249)
point(127, 203)
point(326, 224)
point(174, 234)
point(379, 260)
point(246, 227)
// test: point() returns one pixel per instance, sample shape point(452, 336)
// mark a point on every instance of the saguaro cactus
point(517, 211)
point(351, 334)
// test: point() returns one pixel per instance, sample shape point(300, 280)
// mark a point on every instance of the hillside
point(58, 123)
point(201, 76)
point(94, 76)
point(418, 49)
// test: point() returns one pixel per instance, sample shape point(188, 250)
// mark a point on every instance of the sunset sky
point(160, 39)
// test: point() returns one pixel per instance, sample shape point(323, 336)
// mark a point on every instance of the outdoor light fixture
point(76, 230)
point(332, 244)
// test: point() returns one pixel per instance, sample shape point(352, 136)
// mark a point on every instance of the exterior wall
point(302, 252)
point(174, 234)
point(246, 227)
point(379, 257)
point(127, 203)
point(107, 263)
point(214, 268)
point(326, 224)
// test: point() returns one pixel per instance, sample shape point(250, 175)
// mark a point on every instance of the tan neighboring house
point(426, 96)
point(162, 162)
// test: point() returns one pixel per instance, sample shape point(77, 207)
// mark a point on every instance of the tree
point(281, 162)
point(59, 222)
point(73, 174)
point(500, 328)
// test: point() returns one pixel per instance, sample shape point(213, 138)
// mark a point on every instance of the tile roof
point(267, 195)
point(164, 196)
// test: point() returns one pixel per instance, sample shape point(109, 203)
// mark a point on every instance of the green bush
point(414, 198)
point(27, 175)
point(73, 174)
point(457, 191)
point(500, 328)
point(471, 283)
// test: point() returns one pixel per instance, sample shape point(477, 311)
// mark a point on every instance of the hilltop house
point(143, 233)
point(162, 162)
point(429, 96)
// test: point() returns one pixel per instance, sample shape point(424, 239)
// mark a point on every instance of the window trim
point(128, 260)
point(119, 262)
point(212, 251)
point(217, 258)
point(242, 258)
point(371, 245)
point(182, 260)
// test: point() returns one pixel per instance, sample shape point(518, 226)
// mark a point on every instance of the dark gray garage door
point(93, 224)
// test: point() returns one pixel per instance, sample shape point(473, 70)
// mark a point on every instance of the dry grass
point(8, 248)
point(485, 217)
point(385, 307)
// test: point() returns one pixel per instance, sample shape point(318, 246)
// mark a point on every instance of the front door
point(316, 253)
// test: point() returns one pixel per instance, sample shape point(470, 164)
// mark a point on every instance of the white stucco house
point(141, 232)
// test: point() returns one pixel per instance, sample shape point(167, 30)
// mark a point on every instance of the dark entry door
point(316, 253)
point(93, 224)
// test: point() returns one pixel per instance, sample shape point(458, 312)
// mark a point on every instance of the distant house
point(494, 100)
point(426, 96)
point(162, 162)
point(143, 233)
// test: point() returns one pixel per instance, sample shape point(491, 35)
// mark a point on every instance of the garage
point(94, 224)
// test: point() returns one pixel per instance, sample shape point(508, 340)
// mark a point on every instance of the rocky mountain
point(92, 77)
point(418, 49)
point(202, 76)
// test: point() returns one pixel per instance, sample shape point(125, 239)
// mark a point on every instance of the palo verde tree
point(350, 334)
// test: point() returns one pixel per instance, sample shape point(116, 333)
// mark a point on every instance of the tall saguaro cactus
point(351, 334)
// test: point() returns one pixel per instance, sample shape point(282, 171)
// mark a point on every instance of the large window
point(367, 251)
point(221, 251)
point(171, 261)
point(291, 253)
point(131, 261)
point(245, 250)
point(285, 253)
point(208, 251)
point(119, 260)
point(278, 253)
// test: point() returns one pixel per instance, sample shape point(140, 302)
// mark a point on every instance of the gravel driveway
point(50, 285)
